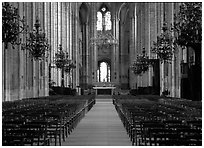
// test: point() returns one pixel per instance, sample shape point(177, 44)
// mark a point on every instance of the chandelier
point(165, 45)
point(12, 25)
point(36, 42)
point(141, 63)
point(104, 39)
point(62, 61)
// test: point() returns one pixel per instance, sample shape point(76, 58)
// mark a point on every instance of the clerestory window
point(104, 19)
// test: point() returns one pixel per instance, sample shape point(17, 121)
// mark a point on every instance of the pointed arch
point(83, 13)
point(119, 11)
point(107, 5)
point(124, 8)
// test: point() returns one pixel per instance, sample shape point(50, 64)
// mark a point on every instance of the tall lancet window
point(99, 21)
point(104, 38)
point(104, 19)
point(108, 23)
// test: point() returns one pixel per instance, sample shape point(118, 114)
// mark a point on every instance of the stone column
point(66, 35)
point(70, 40)
point(115, 54)
point(116, 34)
point(28, 62)
point(53, 42)
point(136, 41)
point(84, 55)
point(95, 49)
point(73, 49)
point(113, 59)
point(4, 73)
point(148, 47)
point(63, 35)
point(132, 49)
point(87, 54)
point(177, 64)
point(167, 19)
point(138, 45)
point(142, 78)
point(173, 74)
point(34, 62)
point(77, 44)
point(160, 24)
point(21, 55)
point(45, 64)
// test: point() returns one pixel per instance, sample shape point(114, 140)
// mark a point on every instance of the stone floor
point(100, 127)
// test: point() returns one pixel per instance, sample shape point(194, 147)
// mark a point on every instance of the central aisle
point(101, 126)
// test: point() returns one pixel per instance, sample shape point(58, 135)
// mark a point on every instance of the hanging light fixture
point(141, 63)
point(36, 42)
point(165, 45)
point(12, 25)
point(104, 39)
point(63, 62)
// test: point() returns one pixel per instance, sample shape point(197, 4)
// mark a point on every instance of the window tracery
point(104, 19)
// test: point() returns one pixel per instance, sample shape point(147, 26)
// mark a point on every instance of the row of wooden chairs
point(39, 124)
point(153, 123)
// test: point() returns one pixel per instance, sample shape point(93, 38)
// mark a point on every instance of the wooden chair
point(36, 133)
point(145, 129)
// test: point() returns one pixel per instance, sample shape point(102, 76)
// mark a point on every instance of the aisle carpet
point(100, 127)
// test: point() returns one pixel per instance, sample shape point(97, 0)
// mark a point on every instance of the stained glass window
point(99, 21)
point(108, 21)
point(104, 19)
point(103, 73)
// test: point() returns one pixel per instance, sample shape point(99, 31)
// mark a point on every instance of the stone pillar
point(46, 62)
point(153, 36)
point(85, 56)
point(145, 42)
point(4, 73)
point(94, 47)
point(160, 24)
point(35, 84)
point(178, 59)
point(22, 91)
point(63, 35)
point(70, 40)
point(115, 54)
point(87, 78)
point(148, 48)
point(136, 40)
point(142, 42)
point(73, 49)
point(28, 62)
point(113, 74)
point(168, 68)
point(54, 45)
point(117, 48)
point(66, 20)
point(76, 44)
point(173, 74)
point(138, 45)
point(132, 47)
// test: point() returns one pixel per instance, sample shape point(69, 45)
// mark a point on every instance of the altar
point(104, 88)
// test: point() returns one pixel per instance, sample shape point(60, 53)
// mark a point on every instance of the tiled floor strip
point(100, 127)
